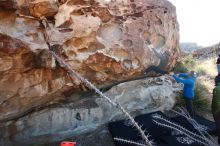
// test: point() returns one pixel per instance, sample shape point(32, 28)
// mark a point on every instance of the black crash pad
point(179, 140)
point(160, 135)
point(209, 126)
point(121, 129)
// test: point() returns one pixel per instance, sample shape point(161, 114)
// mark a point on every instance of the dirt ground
point(99, 137)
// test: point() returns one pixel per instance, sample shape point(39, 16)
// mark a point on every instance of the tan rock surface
point(39, 8)
point(105, 41)
point(76, 117)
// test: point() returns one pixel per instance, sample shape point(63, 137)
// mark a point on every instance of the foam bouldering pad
point(160, 135)
point(179, 140)
point(205, 124)
point(122, 129)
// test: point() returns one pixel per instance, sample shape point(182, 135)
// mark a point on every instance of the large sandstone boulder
point(104, 40)
point(80, 114)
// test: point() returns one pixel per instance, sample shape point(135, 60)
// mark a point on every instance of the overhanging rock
point(85, 115)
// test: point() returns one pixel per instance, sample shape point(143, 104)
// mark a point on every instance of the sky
point(199, 21)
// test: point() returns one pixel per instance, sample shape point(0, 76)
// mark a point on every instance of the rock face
point(80, 116)
point(105, 41)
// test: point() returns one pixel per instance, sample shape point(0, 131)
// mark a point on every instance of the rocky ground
point(99, 137)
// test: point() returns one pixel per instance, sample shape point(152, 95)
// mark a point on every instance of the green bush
point(186, 64)
point(180, 68)
point(189, 61)
point(201, 71)
point(201, 103)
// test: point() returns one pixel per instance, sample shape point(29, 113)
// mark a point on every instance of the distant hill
point(189, 47)
point(213, 50)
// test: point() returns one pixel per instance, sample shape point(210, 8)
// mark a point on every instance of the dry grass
point(207, 65)
point(206, 70)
